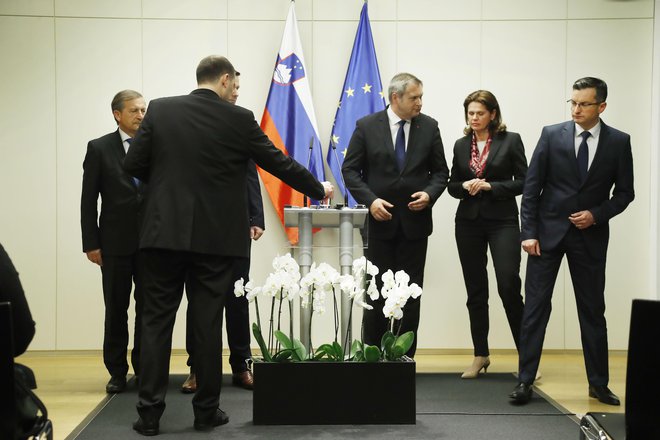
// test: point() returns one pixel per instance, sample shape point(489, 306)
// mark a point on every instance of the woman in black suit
point(487, 174)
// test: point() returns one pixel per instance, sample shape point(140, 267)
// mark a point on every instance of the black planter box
point(334, 393)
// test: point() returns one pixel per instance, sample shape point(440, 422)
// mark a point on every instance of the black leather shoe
point(116, 384)
point(522, 393)
point(147, 428)
point(219, 418)
point(604, 395)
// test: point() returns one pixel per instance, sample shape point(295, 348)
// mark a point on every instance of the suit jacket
point(506, 167)
point(370, 172)
point(115, 232)
point(254, 200)
point(553, 190)
point(193, 151)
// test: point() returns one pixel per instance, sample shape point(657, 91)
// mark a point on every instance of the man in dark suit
point(193, 151)
point(396, 166)
point(580, 176)
point(236, 308)
point(111, 240)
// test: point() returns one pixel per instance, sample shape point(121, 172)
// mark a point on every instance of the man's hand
point(474, 186)
point(256, 232)
point(421, 201)
point(95, 256)
point(378, 210)
point(329, 191)
point(582, 219)
point(532, 247)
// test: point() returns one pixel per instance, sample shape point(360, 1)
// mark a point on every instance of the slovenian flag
point(289, 120)
point(361, 95)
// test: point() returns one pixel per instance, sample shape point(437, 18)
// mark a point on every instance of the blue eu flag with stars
point(361, 95)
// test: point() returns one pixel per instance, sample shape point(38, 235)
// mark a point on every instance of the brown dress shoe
point(244, 379)
point(190, 385)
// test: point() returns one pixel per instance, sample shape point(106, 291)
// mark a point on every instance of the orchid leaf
point(371, 353)
point(282, 355)
point(356, 347)
point(323, 351)
point(284, 339)
point(337, 351)
point(387, 342)
point(256, 331)
point(299, 350)
point(402, 344)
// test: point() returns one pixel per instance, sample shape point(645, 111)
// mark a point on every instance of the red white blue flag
point(289, 120)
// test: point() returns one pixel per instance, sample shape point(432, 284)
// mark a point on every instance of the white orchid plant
point(285, 284)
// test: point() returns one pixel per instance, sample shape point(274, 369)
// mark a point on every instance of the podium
point(308, 218)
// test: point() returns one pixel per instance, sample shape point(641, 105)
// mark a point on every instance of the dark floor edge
point(563, 411)
point(560, 408)
point(93, 413)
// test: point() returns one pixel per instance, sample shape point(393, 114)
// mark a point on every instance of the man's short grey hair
point(400, 82)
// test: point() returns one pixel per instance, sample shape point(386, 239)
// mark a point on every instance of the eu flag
point(361, 95)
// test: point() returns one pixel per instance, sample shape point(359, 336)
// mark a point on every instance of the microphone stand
point(309, 160)
point(341, 175)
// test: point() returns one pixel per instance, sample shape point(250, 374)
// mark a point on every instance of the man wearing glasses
point(579, 177)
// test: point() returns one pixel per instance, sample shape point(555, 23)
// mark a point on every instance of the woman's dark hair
point(490, 102)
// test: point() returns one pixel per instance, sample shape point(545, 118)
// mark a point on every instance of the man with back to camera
point(236, 308)
point(566, 207)
point(396, 166)
point(193, 150)
point(111, 240)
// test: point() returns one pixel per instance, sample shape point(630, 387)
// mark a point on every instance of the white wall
point(63, 60)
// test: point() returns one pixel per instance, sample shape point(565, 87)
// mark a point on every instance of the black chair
point(43, 428)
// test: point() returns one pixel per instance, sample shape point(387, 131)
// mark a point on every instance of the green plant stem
point(256, 307)
point(279, 318)
point(311, 316)
point(336, 310)
point(270, 327)
point(291, 320)
point(349, 330)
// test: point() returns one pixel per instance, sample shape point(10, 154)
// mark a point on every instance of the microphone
point(341, 175)
point(309, 161)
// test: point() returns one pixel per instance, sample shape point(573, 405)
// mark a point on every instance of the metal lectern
point(305, 219)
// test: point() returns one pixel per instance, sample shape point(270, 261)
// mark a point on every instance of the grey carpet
point(447, 408)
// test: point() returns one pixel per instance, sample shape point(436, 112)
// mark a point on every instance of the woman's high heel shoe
point(479, 363)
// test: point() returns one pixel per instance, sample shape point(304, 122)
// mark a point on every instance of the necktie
point(583, 156)
point(400, 145)
point(136, 181)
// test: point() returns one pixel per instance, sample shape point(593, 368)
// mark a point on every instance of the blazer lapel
point(600, 150)
point(119, 146)
point(387, 135)
point(119, 150)
point(568, 144)
point(412, 138)
point(495, 147)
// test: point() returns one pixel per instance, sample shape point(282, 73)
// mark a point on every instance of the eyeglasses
point(582, 104)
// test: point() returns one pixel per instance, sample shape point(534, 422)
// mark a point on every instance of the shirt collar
point(123, 135)
point(595, 130)
point(393, 118)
